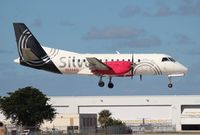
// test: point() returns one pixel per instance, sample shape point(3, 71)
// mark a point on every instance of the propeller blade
point(132, 67)
point(140, 77)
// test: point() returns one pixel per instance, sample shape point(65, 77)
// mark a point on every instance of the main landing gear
point(101, 83)
point(170, 85)
point(110, 84)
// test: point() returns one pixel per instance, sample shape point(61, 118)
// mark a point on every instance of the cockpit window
point(168, 59)
point(172, 59)
point(165, 59)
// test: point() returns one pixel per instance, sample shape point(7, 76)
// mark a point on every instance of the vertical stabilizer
point(30, 51)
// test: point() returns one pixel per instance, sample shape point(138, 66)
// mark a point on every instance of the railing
point(13, 130)
point(154, 128)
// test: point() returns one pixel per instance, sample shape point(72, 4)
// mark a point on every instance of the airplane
point(32, 54)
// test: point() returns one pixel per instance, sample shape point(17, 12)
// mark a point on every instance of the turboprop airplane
point(32, 54)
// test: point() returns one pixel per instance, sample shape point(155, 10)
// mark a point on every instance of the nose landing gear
point(170, 85)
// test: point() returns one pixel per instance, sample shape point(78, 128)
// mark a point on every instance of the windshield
point(168, 59)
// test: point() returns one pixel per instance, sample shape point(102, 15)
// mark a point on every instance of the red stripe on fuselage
point(118, 68)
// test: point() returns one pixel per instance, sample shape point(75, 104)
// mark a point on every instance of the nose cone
point(182, 69)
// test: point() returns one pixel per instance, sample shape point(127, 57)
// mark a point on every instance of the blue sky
point(89, 26)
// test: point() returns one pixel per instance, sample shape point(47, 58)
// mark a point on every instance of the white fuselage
point(145, 64)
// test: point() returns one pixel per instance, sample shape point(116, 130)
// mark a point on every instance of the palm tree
point(105, 118)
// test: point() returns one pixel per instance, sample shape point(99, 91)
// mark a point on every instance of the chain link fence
point(132, 129)
point(153, 128)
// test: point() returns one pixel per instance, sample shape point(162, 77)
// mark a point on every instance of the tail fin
point(27, 44)
point(30, 51)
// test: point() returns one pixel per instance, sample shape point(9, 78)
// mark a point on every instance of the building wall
point(177, 110)
point(132, 109)
point(62, 122)
point(133, 112)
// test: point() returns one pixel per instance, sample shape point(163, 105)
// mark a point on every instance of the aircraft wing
point(95, 64)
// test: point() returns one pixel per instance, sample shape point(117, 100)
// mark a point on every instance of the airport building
point(180, 112)
point(174, 113)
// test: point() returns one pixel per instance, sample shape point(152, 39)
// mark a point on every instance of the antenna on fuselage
point(117, 52)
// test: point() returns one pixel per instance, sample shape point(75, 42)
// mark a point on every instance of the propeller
point(140, 77)
point(132, 66)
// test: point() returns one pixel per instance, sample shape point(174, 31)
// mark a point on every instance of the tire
point(101, 84)
point(170, 85)
point(110, 85)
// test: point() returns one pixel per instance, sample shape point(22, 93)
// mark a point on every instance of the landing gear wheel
point(170, 85)
point(110, 85)
point(101, 83)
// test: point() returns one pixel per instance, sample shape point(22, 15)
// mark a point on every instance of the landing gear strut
point(110, 84)
point(101, 83)
point(170, 85)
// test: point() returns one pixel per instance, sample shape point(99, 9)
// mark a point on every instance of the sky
point(103, 26)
